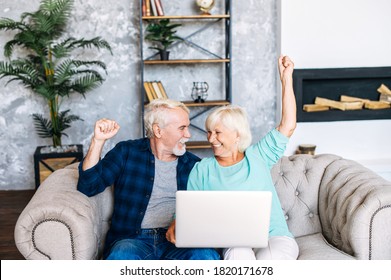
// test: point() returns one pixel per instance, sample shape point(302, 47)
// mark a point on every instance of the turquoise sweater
point(251, 173)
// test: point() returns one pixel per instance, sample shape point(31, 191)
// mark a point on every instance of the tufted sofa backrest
point(297, 180)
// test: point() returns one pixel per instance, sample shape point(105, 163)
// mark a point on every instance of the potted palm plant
point(49, 68)
point(162, 33)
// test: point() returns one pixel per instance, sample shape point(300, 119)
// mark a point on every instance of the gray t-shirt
point(161, 207)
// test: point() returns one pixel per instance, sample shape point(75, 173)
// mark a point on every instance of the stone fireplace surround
point(331, 83)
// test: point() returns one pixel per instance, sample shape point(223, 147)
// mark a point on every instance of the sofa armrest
point(355, 210)
point(60, 222)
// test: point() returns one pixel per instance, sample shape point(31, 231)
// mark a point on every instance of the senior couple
point(146, 173)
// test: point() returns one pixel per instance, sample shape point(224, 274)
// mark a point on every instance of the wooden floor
point(12, 204)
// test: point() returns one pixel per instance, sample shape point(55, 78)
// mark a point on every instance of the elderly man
point(145, 173)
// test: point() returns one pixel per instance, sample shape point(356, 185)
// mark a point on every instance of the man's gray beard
point(179, 152)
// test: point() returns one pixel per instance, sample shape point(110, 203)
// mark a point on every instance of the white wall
point(333, 34)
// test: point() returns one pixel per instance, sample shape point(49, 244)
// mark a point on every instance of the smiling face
point(175, 132)
point(231, 123)
point(224, 141)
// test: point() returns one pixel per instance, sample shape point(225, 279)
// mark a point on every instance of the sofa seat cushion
point(315, 247)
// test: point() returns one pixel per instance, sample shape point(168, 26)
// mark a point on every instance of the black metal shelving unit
point(209, 21)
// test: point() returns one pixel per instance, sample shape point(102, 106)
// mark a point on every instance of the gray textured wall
point(253, 63)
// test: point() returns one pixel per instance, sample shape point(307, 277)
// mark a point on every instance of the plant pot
point(164, 55)
point(48, 159)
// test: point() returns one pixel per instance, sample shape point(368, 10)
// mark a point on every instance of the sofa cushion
point(297, 179)
point(315, 247)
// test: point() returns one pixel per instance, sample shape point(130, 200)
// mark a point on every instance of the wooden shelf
point(186, 17)
point(206, 103)
point(197, 145)
point(184, 61)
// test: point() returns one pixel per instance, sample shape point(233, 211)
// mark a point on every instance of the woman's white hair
point(156, 113)
point(232, 117)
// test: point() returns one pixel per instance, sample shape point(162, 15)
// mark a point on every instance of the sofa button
point(151, 178)
point(286, 217)
point(311, 215)
point(296, 193)
point(282, 173)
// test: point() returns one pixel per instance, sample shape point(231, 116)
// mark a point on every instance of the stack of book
point(154, 90)
point(152, 8)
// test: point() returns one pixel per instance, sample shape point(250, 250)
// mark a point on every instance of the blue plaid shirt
point(130, 167)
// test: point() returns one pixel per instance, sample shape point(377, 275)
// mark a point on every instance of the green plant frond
point(25, 67)
point(64, 66)
point(66, 43)
point(9, 24)
point(43, 126)
point(89, 71)
point(59, 11)
point(45, 24)
point(65, 120)
point(80, 63)
point(26, 16)
point(46, 91)
point(28, 39)
point(19, 71)
point(64, 72)
point(5, 69)
point(96, 42)
point(9, 48)
point(60, 51)
point(86, 83)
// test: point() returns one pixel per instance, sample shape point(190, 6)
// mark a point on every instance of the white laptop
point(222, 219)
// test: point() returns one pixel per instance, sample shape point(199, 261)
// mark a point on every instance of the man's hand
point(105, 129)
point(170, 234)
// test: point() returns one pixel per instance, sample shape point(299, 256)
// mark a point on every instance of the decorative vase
point(199, 92)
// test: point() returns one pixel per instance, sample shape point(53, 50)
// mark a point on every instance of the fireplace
point(331, 83)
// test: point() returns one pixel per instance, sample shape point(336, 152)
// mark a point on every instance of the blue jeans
point(151, 244)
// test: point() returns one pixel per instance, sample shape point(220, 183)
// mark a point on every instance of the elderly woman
point(238, 163)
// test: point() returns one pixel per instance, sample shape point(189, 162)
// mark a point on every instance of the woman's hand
point(170, 234)
point(285, 66)
point(288, 110)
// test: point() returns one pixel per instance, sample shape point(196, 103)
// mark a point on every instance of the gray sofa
point(336, 209)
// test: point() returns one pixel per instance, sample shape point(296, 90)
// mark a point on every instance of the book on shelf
point(159, 7)
point(162, 90)
point(154, 90)
point(153, 8)
point(148, 92)
point(148, 7)
point(143, 8)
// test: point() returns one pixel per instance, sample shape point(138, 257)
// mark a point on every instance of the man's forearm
point(93, 154)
